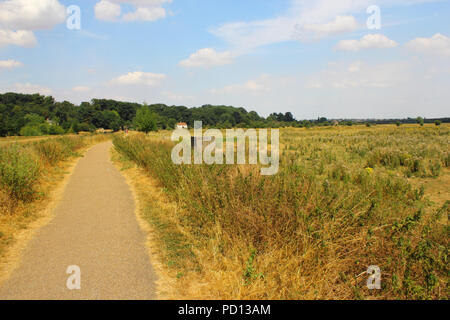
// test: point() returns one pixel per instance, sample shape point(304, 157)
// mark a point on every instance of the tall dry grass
point(341, 202)
point(22, 165)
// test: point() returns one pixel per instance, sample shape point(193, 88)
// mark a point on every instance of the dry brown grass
point(311, 231)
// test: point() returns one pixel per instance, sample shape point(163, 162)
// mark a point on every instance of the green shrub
point(19, 172)
point(55, 130)
point(86, 127)
point(44, 128)
point(30, 131)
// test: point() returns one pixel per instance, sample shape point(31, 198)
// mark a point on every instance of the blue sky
point(313, 58)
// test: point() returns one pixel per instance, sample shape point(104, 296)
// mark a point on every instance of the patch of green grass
point(19, 172)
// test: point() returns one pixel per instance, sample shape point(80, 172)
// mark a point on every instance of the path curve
point(95, 228)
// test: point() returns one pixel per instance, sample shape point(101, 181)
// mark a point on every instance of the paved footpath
point(94, 228)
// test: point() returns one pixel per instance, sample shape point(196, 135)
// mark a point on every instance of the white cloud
point(107, 11)
point(10, 64)
point(172, 97)
point(313, 85)
point(146, 14)
point(18, 18)
point(143, 3)
point(145, 10)
point(31, 14)
point(342, 24)
point(259, 85)
point(207, 57)
point(438, 44)
point(354, 89)
point(245, 35)
point(28, 88)
point(355, 67)
point(360, 75)
point(22, 38)
point(370, 41)
point(139, 78)
point(80, 89)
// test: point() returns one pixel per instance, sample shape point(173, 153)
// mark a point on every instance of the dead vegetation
point(344, 199)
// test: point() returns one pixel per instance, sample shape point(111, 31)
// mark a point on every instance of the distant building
point(182, 125)
point(335, 122)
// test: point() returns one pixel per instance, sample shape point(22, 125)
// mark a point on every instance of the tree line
point(35, 114)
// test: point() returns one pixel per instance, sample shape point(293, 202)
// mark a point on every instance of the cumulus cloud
point(10, 64)
point(438, 44)
point(370, 41)
point(107, 11)
point(139, 78)
point(19, 18)
point(146, 14)
point(207, 57)
point(144, 10)
point(22, 38)
point(31, 14)
point(318, 15)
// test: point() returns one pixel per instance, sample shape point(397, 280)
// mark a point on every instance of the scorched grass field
point(345, 198)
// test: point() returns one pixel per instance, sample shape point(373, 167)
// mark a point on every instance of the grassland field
point(344, 198)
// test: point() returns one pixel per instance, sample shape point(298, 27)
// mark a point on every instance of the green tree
point(44, 128)
point(420, 121)
point(145, 120)
point(33, 119)
point(55, 130)
point(171, 123)
point(86, 127)
point(438, 122)
point(289, 117)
